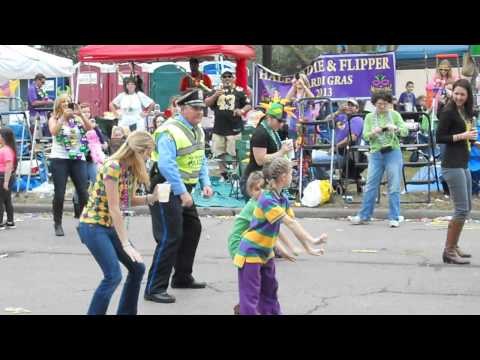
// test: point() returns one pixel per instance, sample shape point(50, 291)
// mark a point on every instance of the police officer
point(179, 160)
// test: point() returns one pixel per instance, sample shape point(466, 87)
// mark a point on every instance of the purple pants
point(258, 289)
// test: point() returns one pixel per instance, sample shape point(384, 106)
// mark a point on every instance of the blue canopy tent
point(412, 52)
point(413, 56)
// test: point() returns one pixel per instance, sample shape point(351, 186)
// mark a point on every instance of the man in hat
point(38, 100)
point(229, 104)
point(343, 130)
point(176, 225)
point(343, 127)
point(195, 78)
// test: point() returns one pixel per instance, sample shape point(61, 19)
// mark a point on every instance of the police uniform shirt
point(225, 122)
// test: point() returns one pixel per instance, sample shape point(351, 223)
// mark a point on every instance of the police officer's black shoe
point(76, 211)
point(59, 230)
point(189, 285)
point(163, 298)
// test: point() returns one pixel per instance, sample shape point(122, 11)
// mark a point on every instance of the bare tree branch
point(304, 59)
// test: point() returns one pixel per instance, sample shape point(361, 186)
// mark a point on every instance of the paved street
point(402, 273)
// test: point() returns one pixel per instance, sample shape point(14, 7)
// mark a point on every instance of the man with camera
point(229, 104)
point(383, 129)
point(39, 102)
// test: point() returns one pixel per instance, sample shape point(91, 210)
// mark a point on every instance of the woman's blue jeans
point(378, 163)
point(107, 250)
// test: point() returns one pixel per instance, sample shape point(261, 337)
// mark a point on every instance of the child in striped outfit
point(255, 257)
point(254, 186)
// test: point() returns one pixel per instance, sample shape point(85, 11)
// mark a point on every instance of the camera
point(386, 149)
point(385, 129)
point(71, 106)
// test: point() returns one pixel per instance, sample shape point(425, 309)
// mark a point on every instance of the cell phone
point(71, 106)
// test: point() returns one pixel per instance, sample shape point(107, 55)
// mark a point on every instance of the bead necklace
point(125, 193)
point(69, 141)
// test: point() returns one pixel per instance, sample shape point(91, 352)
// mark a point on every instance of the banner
point(9, 88)
point(336, 77)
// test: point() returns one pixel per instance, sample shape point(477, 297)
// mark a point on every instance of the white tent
point(24, 62)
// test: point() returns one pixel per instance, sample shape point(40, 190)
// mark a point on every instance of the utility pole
point(267, 56)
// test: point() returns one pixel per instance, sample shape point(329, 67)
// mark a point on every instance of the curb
point(302, 212)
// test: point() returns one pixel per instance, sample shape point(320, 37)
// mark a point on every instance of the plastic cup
point(164, 192)
point(291, 153)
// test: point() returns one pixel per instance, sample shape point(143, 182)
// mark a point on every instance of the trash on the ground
point(17, 310)
point(438, 222)
point(443, 218)
point(3, 256)
point(366, 251)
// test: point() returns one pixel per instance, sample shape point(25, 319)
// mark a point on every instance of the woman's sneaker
point(3, 226)
point(11, 225)
point(394, 223)
point(355, 220)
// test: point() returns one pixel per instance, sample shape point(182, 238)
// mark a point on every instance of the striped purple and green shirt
point(259, 240)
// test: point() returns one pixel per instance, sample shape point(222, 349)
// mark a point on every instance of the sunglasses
point(227, 76)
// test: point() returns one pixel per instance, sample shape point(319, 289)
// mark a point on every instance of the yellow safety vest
point(190, 144)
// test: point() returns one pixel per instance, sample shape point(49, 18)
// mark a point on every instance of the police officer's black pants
point(177, 232)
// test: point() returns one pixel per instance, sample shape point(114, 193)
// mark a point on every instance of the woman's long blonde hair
point(445, 64)
point(57, 106)
point(130, 152)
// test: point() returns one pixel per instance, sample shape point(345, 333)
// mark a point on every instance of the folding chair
point(313, 140)
point(426, 159)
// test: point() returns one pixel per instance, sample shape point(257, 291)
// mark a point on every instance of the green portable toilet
point(165, 83)
point(475, 50)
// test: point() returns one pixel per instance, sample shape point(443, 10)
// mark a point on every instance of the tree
point(68, 51)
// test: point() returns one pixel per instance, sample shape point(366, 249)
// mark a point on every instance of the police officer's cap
point(192, 98)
